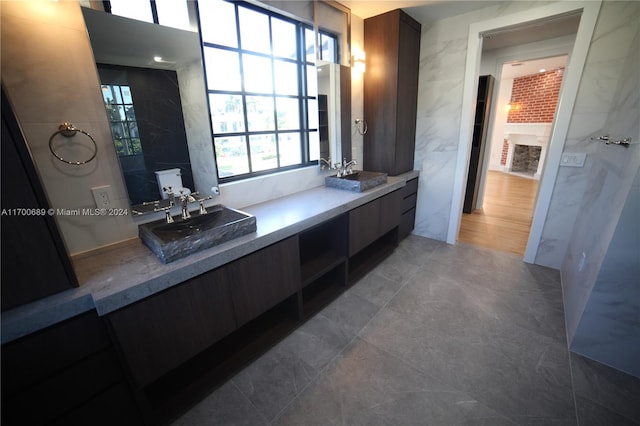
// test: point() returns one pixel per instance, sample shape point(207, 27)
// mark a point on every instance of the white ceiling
point(423, 11)
point(522, 68)
point(428, 11)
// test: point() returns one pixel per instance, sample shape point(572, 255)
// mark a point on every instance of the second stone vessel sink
point(171, 241)
point(357, 181)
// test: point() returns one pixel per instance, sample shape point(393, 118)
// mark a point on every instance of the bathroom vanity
point(166, 334)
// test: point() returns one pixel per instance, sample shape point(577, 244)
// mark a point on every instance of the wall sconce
point(359, 61)
point(513, 105)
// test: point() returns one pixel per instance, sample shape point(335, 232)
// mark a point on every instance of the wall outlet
point(102, 196)
point(573, 159)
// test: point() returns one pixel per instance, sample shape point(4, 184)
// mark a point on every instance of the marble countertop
point(116, 276)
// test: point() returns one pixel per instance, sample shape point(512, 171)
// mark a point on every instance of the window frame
point(303, 97)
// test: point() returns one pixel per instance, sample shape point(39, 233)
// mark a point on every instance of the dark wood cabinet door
point(369, 222)
point(392, 43)
point(53, 375)
point(35, 263)
point(162, 331)
point(265, 278)
point(407, 104)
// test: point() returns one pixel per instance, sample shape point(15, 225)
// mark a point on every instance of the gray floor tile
point(592, 414)
point(437, 334)
point(609, 388)
point(275, 378)
point(365, 386)
point(376, 288)
point(525, 378)
point(350, 312)
point(225, 406)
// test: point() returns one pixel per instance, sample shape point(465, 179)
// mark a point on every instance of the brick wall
point(534, 97)
point(505, 152)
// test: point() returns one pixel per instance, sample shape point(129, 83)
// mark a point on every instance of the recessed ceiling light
point(542, 70)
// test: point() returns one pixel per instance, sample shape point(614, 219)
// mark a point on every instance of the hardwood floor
point(505, 219)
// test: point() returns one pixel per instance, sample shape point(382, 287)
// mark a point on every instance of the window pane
point(119, 110)
point(264, 153)
point(130, 113)
point(231, 156)
point(257, 74)
point(312, 81)
point(173, 13)
point(226, 113)
point(286, 77)
point(288, 113)
point(289, 145)
point(126, 95)
point(218, 22)
point(328, 48)
point(310, 45)
point(312, 108)
point(254, 31)
point(314, 146)
point(136, 146)
point(223, 69)
point(107, 94)
point(134, 9)
point(133, 130)
point(284, 38)
point(118, 130)
point(260, 113)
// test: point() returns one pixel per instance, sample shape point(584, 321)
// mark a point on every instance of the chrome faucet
point(327, 163)
point(347, 167)
point(186, 199)
point(169, 192)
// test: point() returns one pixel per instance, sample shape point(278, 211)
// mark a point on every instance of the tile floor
point(435, 335)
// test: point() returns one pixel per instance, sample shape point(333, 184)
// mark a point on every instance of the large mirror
point(334, 111)
point(157, 107)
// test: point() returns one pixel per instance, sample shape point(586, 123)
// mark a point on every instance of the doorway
point(515, 148)
point(588, 12)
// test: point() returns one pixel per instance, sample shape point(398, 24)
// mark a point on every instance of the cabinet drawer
point(410, 188)
point(407, 223)
point(263, 279)
point(24, 363)
point(369, 222)
point(409, 202)
point(162, 331)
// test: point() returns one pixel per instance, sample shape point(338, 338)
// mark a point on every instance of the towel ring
point(361, 126)
point(69, 130)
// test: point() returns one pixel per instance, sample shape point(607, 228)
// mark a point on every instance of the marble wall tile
point(608, 185)
point(435, 193)
point(602, 83)
point(443, 50)
point(50, 78)
point(609, 329)
point(197, 128)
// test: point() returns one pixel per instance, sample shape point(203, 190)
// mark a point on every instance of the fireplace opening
point(526, 159)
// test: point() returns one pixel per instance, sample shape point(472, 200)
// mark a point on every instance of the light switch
point(573, 159)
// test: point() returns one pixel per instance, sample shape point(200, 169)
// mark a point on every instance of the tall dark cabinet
point(392, 44)
point(35, 263)
point(478, 142)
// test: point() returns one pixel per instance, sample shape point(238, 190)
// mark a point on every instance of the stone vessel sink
point(172, 241)
point(357, 181)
